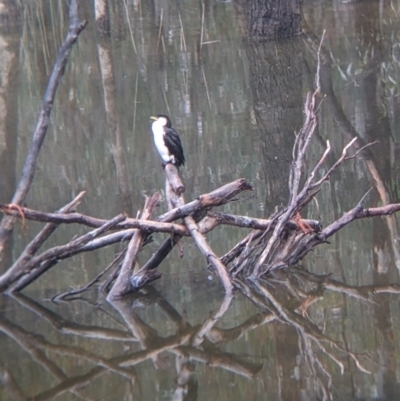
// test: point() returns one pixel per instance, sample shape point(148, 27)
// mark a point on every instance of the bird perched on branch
point(167, 141)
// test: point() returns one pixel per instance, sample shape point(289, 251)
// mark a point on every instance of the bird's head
point(163, 120)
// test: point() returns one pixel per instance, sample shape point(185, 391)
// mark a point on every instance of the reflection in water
point(129, 349)
point(236, 105)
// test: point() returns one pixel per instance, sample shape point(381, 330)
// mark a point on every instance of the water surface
point(236, 104)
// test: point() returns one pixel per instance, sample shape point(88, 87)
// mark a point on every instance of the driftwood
point(17, 269)
point(279, 241)
point(172, 176)
point(122, 284)
point(176, 202)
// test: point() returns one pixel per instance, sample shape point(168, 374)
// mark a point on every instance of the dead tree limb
point(215, 218)
point(297, 201)
point(199, 239)
point(41, 263)
point(75, 28)
point(172, 175)
point(208, 253)
point(284, 248)
point(28, 267)
point(161, 253)
point(88, 221)
point(358, 212)
point(37, 242)
point(74, 292)
point(148, 273)
point(208, 223)
point(122, 284)
point(218, 197)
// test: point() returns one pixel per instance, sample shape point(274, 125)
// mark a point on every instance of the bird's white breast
point(158, 134)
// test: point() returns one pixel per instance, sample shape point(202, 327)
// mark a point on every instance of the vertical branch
point(123, 285)
point(209, 253)
point(301, 144)
point(28, 171)
point(177, 201)
point(305, 134)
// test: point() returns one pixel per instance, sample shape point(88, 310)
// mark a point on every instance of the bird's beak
point(153, 118)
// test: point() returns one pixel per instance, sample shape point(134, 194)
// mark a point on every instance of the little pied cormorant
point(167, 140)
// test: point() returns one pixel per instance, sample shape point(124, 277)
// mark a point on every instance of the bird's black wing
point(173, 143)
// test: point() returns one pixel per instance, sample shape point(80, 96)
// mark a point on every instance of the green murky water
point(236, 105)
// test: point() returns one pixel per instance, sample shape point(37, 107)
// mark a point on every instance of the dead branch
point(37, 242)
point(217, 197)
point(214, 197)
point(275, 242)
point(208, 223)
point(161, 253)
point(302, 141)
point(208, 253)
point(71, 293)
point(39, 264)
point(215, 218)
point(122, 284)
point(297, 201)
point(175, 201)
point(172, 175)
point(25, 270)
point(90, 221)
point(75, 28)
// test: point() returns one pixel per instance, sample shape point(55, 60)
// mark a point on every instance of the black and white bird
point(167, 141)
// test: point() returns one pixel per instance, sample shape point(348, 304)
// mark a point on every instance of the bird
point(167, 141)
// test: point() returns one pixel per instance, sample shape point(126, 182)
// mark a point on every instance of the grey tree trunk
point(270, 19)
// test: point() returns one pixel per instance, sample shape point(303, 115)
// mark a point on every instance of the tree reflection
point(289, 303)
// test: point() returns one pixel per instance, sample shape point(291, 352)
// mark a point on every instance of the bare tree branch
point(28, 171)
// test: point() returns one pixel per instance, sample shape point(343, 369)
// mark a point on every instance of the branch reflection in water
point(134, 347)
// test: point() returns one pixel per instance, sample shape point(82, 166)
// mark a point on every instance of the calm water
point(236, 104)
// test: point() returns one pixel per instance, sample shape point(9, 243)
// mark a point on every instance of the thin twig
point(317, 85)
point(202, 24)
point(160, 28)
point(130, 26)
point(166, 101)
point(182, 33)
point(205, 83)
